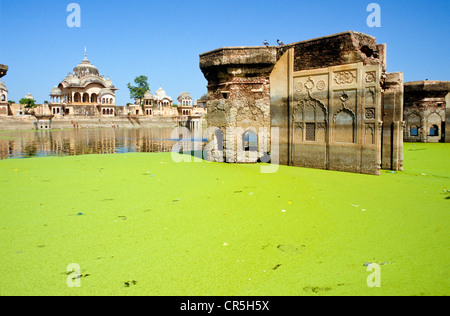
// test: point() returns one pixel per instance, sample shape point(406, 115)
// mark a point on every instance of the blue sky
point(163, 39)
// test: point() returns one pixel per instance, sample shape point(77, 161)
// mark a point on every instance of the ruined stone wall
point(392, 116)
point(334, 50)
point(425, 109)
point(329, 118)
point(238, 95)
point(324, 95)
point(447, 118)
point(3, 70)
point(3, 107)
point(240, 105)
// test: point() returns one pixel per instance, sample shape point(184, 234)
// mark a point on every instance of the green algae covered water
point(141, 224)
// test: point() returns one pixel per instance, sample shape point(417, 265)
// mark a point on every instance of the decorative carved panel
point(334, 115)
point(345, 77)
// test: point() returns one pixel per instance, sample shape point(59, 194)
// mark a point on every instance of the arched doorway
point(250, 141)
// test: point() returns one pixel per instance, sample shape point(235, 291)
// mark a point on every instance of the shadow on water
point(30, 143)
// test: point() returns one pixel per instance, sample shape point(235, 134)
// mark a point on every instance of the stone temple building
point(147, 104)
point(162, 99)
point(84, 92)
point(163, 103)
point(185, 106)
point(333, 102)
point(3, 99)
point(159, 104)
point(3, 92)
point(427, 111)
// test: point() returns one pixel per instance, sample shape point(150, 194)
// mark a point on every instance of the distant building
point(163, 104)
point(29, 96)
point(162, 99)
point(427, 111)
point(184, 99)
point(3, 99)
point(148, 103)
point(185, 106)
point(84, 92)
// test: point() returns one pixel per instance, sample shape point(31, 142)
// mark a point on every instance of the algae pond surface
point(141, 224)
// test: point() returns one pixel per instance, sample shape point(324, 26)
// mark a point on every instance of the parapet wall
point(334, 50)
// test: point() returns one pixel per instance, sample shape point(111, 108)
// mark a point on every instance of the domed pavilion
point(84, 92)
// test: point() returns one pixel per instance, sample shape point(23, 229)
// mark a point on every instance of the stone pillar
point(279, 103)
point(423, 127)
point(392, 139)
point(447, 118)
point(382, 53)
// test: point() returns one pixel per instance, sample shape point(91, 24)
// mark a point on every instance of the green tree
point(29, 103)
point(137, 92)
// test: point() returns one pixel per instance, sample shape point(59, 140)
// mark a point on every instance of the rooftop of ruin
point(3, 70)
point(327, 51)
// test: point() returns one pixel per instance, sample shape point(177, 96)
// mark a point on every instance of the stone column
point(280, 99)
point(392, 139)
point(447, 118)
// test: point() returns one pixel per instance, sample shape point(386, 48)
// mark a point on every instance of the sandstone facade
point(331, 99)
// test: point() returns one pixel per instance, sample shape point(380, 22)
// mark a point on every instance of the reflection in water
point(27, 144)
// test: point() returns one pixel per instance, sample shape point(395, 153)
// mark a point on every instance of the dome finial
point(85, 53)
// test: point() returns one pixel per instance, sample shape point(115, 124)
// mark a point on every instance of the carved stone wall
point(334, 117)
point(324, 95)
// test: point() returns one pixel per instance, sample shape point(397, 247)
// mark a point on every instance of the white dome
point(148, 95)
point(160, 94)
point(85, 68)
point(185, 96)
point(108, 83)
point(105, 91)
point(71, 79)
point(56, 91)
